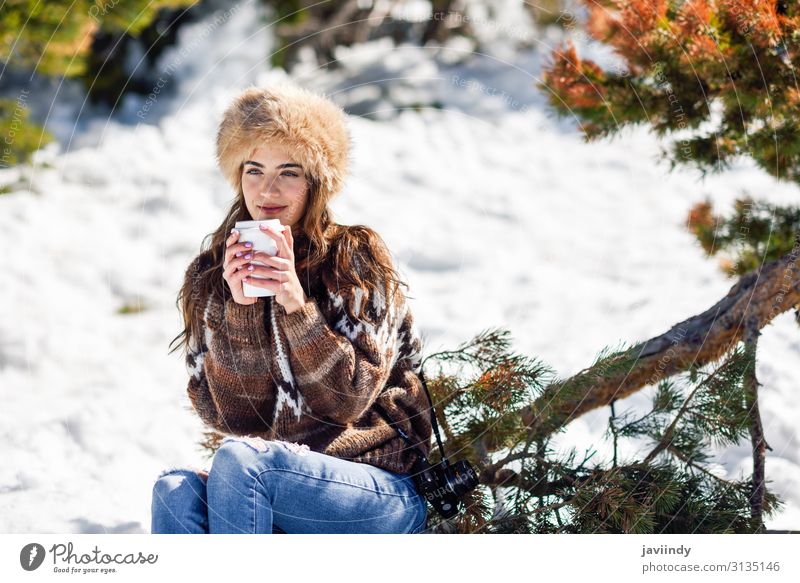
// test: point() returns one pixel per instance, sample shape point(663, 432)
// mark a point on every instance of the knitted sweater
point(312, 376)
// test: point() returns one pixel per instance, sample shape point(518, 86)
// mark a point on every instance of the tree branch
point(760, 295)
point(756, 432)
point(666, 440)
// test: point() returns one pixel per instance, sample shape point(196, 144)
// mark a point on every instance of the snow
point(497, 213)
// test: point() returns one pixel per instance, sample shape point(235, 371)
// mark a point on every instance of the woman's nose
point(269, 188)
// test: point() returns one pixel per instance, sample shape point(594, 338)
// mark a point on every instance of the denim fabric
point(260, 486)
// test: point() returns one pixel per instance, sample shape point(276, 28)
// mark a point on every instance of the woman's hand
point(280, 270)
point(236, 266)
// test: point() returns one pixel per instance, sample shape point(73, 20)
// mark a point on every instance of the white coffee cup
point(250, 231)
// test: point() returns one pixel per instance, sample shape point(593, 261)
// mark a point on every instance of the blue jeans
point(260, 486)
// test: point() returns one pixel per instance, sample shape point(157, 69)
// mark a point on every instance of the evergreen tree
point(58, 38)
point(55, 38)
point(718, 77)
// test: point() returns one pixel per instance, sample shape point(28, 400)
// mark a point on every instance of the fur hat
point(311, 126)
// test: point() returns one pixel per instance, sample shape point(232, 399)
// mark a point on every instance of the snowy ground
point(480, 203)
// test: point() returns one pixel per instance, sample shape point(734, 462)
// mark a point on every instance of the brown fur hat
point(310, 125)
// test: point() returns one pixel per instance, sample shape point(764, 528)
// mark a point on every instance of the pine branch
point(698, 340)
point(666, 440)
point(680, 455)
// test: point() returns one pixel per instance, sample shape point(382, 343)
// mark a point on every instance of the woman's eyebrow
point(278, 167)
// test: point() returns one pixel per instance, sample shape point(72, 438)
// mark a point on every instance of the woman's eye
point(255, 171)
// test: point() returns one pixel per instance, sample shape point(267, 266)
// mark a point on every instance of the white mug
point(250, 231)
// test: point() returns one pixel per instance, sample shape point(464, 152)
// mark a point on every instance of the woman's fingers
point(235, 266)
point(238, 263)
point(235, 249)
point(239, 249)
point(235, 283)
point(287, 231)
point(284, 250)
point(276, 268)
point(277, 262)
point(269, 272)
point(265, 283)
point(242, 263)
point(237, 257)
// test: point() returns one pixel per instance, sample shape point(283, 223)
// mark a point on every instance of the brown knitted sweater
point(312, 376)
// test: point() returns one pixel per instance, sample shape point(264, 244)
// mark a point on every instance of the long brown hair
point(353, 255)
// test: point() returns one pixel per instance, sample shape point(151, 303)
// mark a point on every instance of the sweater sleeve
point(230, 384)
point(341, 367)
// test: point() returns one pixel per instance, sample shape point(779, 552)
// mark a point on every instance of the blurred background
point(497, 210)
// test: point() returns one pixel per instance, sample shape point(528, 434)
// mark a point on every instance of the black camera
point(443, 485)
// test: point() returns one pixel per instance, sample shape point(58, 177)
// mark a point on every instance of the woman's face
point(270, 178)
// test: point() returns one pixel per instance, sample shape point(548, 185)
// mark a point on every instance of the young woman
point(293, 380)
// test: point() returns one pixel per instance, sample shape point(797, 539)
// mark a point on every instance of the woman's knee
point(236, 454)
point(179, 503)
point(176, 487)
point(247, 457)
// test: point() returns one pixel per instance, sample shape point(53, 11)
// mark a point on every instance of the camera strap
point(434, 423)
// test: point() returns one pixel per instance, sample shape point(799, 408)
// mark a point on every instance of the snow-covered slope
point(498, 215)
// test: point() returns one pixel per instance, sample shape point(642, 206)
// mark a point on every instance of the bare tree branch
point(756, 433)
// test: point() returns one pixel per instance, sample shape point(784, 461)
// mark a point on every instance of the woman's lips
point(271, 209)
